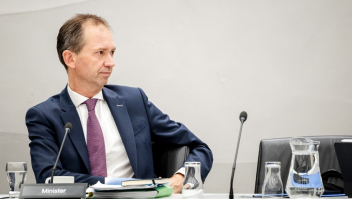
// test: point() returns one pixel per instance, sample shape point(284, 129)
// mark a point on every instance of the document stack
point(132, 188)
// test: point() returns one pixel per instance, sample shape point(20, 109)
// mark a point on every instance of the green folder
point(164, 191)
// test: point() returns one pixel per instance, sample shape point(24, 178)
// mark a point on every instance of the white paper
point(346, 140)
point(103, 187)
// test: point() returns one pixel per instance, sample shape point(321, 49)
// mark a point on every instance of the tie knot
point(91, 104)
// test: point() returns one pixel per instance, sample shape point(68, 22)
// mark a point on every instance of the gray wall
point(287, 63)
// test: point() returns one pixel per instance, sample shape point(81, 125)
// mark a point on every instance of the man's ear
point(69, 58)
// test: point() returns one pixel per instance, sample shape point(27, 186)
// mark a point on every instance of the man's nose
point(109, 62)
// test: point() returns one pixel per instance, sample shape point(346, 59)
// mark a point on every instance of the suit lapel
point(122, 119)
point(76, 135)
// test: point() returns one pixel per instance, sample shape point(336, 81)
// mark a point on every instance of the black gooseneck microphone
point(243, 118)
point(68, 127)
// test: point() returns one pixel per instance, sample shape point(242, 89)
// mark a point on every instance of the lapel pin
point(119, 105)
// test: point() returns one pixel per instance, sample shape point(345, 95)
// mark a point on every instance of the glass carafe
point(304, 180)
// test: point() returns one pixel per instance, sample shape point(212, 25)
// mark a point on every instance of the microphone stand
point(55, 191)
point(234, 163)
point(58, 155)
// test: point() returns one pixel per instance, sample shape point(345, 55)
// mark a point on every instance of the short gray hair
point(70, 36)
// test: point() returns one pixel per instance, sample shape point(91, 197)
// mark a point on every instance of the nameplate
point(68, 190)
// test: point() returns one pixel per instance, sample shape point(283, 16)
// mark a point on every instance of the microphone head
point(243, 116)
point(68, 125)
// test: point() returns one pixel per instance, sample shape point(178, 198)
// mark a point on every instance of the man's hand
point(187, 186)
point(176, 182)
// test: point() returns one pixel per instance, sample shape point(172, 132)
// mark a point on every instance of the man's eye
point(112, 52)
point(100, 52)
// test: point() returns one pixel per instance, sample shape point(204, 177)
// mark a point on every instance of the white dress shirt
point(117, 162)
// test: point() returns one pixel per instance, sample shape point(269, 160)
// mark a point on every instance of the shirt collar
point(78, 99)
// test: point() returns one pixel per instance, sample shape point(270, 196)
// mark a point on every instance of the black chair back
point(167, 160)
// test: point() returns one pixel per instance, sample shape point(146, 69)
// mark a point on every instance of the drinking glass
point(16, 175)
point(272, 187)
point(192, 185)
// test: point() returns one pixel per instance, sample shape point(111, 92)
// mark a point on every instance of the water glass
point(16, 175)
point(272, 187)
point(193, 184)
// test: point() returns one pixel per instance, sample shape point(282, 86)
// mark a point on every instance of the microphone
point(54, 191)
point(68, 127)
point(243, 118)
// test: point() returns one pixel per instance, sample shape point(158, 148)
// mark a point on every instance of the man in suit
point(113, 126)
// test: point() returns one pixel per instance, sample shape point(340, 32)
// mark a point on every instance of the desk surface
point(236, 196)
point(212, 195)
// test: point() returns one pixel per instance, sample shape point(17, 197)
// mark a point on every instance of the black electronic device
point(344, 156)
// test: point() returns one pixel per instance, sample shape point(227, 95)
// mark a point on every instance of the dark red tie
point(95, 141)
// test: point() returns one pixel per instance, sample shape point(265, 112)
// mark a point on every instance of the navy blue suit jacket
point(139, 123)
